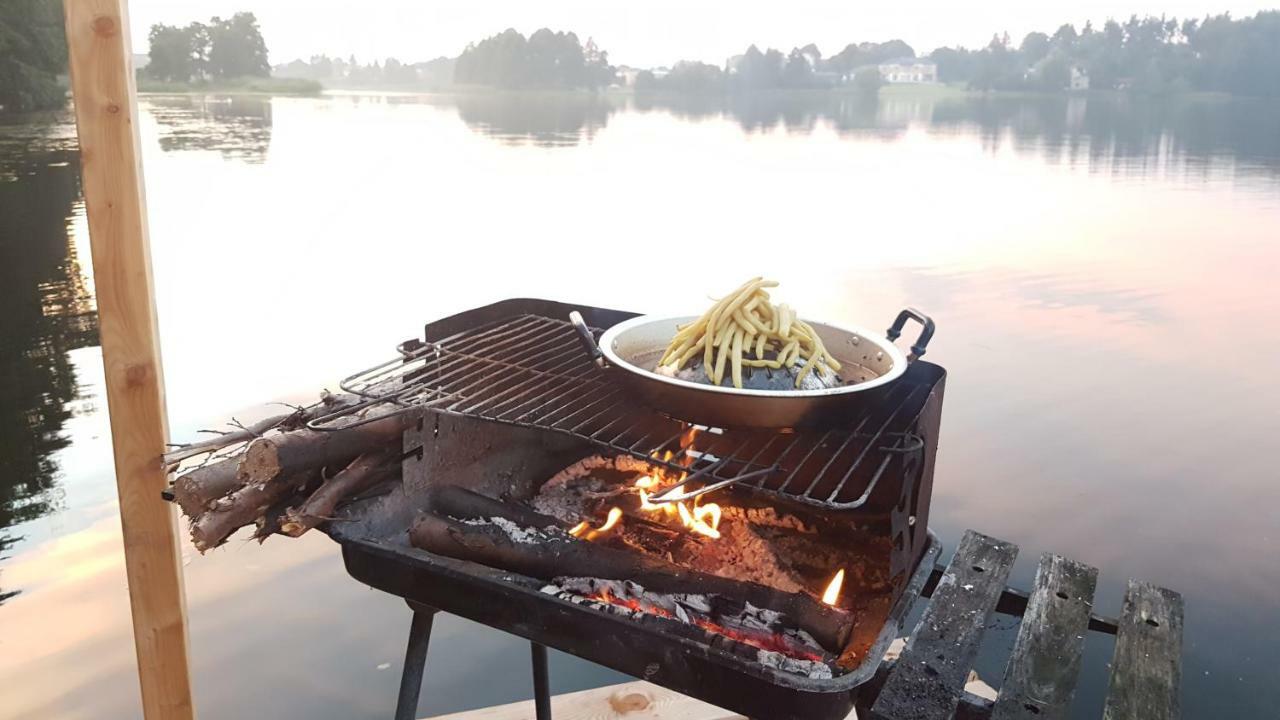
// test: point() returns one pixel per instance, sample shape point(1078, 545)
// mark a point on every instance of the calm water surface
point(1102, 273)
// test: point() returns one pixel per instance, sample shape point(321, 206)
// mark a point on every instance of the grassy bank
point(264, 86)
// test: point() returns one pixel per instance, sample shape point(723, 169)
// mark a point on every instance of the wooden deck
point(930, 679)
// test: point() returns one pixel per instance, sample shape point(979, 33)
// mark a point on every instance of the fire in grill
point(530, 501)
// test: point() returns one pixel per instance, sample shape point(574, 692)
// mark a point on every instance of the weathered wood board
point(1040, 679)
point(931, 673)
point(1146, 672)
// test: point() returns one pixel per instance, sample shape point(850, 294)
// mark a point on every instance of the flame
point(704, 519)
point(701, 519)
point(615, 514)
point(832, 593)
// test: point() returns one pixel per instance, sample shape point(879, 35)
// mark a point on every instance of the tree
point(33, 50)
point(1034, 47)
point(546, 59)
point(177, 54)
point(797, 73)
point(236, 47)
point(867, 81)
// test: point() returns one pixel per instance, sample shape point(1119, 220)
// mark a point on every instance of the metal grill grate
point(530, 371)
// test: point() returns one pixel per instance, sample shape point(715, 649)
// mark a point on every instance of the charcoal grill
point(502, 397)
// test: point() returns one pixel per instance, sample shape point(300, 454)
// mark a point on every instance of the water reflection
point(541, 119)
point(1190, 136)
point(236, 126)
point(48, 311)
point(1081, 269)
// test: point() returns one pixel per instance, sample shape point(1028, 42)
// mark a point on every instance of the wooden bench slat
point(1146, 671)
point(930, 675)
point(1043, 668)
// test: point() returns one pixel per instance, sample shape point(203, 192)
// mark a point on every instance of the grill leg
point(541, 682)
point(415, 661)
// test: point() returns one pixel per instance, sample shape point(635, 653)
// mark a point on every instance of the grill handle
point(926, 330)
point(587, 338)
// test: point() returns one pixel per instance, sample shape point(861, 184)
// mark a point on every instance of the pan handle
point(926, 332)
point(587, 338)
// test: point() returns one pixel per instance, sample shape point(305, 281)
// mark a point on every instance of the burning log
point(363, 473)
point(511, 537)
point(302, 451)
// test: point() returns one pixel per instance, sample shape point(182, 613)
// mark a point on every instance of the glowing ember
point(832, 593)
point(763, 640)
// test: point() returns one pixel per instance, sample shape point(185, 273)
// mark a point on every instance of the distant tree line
point(393, 74)
point(217, 50)
point(802, 68)
point(545, 60)
point(1153, 55)
point(33, 52)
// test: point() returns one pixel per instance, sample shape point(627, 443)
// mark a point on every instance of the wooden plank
point(931, 673)
point(1043, 669)
point(1146, 671)
point(106, 111)
point(633, 701)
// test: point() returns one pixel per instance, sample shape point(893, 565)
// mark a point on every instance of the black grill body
point(884, 459)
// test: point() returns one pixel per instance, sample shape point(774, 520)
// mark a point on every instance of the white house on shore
point(909, 70)
point(1079, 78)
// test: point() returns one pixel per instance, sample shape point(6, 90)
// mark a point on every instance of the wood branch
point(328, 403)
point(302, 451)
point(196, 491)
point(363, 473)
point(227, 439)
point(242, 507)
point(550, 552)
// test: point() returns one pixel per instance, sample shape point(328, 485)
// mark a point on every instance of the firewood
point(363, 472)
point(227, 439)
point(542, 548)
point(304, 450)
point(240, 508)
point(196, 491)
point(328, 403)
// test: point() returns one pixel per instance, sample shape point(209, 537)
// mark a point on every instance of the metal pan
point(631, 349)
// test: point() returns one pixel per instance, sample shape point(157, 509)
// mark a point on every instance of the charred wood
point(460, 524)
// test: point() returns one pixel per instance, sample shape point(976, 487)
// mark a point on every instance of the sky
point(655, 32)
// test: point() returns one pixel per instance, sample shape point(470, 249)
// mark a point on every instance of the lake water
point(1102, 272)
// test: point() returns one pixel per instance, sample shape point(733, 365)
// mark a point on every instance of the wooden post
point(102, 85)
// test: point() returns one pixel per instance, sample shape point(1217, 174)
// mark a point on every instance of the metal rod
point(415, 662)
point(541, 682)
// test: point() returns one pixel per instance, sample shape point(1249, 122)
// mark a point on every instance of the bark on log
point(196, 491)
point(240, 508)
point(227, 439)
point(363, 473)
point(328, 403)
point(305, 450)
point(551, 552)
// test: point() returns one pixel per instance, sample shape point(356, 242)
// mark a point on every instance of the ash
point(517, 533)
point(808, 668)
point(687, 608)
